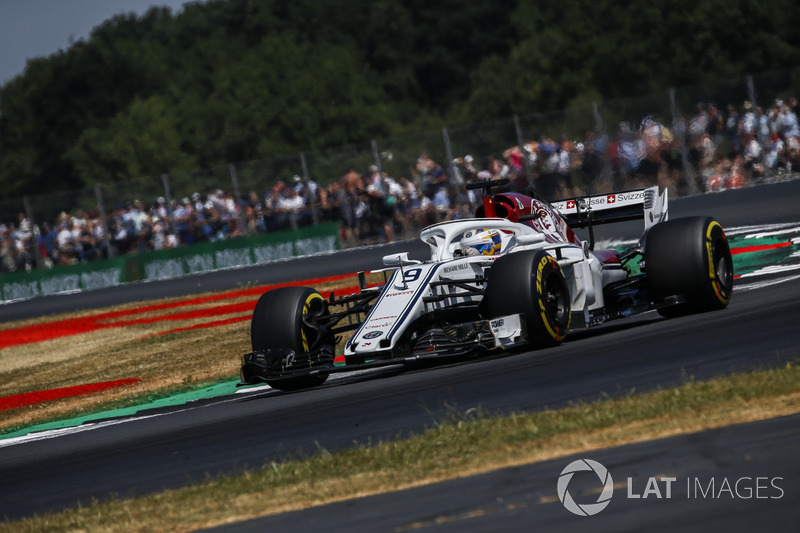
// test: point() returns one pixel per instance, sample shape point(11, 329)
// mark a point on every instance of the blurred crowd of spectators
point(711, 150)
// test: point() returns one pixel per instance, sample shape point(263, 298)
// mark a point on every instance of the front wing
point(454, 341)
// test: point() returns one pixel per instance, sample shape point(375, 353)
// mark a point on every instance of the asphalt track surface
point(172, 447)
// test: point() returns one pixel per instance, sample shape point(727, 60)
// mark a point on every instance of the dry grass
point(162, 363)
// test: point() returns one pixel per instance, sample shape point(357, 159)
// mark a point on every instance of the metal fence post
point(599, 127)
point(687, 168)
point(37, 253)
point(377, 157)
point(452, 172)
point(601, 141)
point(103, 220)
point(525, 159)
point(306, 178)
point(751, 94)
point(235, 181)
point(168, 196)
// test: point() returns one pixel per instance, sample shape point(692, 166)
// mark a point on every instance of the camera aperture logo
point(660, 487)
point(588, 509)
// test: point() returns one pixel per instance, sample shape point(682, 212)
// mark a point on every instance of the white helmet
point(483, 241)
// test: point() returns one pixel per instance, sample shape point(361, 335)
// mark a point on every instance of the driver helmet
point(483, 241)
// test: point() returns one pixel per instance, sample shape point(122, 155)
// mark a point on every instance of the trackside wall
point(172, 263)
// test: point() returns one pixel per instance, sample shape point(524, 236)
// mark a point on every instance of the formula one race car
point(516, 275)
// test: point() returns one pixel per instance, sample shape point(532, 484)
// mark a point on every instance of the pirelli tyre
point(531, 283)
point(688, 260)
point(278, 323)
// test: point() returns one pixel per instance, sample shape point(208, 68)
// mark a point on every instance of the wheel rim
point(555, 303)
point(723, 270)
point(308, 335)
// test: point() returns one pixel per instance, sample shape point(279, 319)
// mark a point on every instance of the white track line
point(89, 426)
point(772, 229)
point(765, 283)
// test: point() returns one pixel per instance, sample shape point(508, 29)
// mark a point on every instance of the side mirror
point(530, 238)
point(397, 260)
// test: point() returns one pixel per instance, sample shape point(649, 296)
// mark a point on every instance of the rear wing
point(648, 204)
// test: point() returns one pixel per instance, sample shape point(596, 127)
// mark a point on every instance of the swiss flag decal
point(571, 204)
point(611, 198)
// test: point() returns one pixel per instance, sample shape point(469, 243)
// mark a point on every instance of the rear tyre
point(531, 283)
point(278, 323)
point(689, 258)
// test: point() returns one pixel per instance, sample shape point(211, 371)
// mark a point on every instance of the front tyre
point(278, 323)
point(689, 258)
point(531, 283)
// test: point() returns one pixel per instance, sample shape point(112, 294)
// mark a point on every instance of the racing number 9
point(412, 274)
